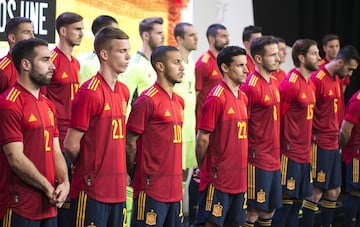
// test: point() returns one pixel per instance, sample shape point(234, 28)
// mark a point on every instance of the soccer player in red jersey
point(350, 144)
point(297, 100)
point(65, 81)
point(223, 196)
point(38, 180)
point(95, 142)
point(331, 46)
point(280, 74)
point(264, 189)
point(153, 145)
point(326, 160)
point(206, 69)
point(16, 29)
point(249, 33)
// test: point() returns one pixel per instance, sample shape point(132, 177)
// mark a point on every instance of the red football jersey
point(63, 87)
point(326, 117)
point(250, 64)
point(9, 75)
point(279, 75)
point(26, 119)
point(352, 115)
point(297, 101)
point(264, 122)
point(158, 119)
point(100, 113)
point(225, 117)
point(208, 76)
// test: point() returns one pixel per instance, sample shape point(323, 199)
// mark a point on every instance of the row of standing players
point(254, 122)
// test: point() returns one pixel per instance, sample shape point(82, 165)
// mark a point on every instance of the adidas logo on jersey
point(167, 113)
point(231, 111)
point(32, 118)
point(331, 93)
point(64, 75)
point(267, 98)
point(107, 107)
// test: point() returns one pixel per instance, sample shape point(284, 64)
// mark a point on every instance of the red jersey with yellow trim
point(225, 114)
point(158, 119)
point(264, 122)
point(343, 83)
point(63, 87)
point(100, 113)
point(326, 117)
point(250, 64)
point(279, 75)
point(297, 101)
point(31, 121)
point(208, 76)
point(8, 73)
point(352, 115)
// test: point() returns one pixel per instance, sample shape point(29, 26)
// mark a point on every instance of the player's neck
point(263, 73)
point(109, 76)
point(146, 51)
point(28, 85)
point(233, 86)
point(184, 54)
point(304, 72)
point(166, 85)
point(66, 49)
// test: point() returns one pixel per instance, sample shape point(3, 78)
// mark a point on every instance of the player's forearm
point(344, 139)
point(131, 139)
point(202, 143)
point(28, 172)
point(61, 171)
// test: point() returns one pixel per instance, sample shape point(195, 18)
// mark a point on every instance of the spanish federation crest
point(261, 196)
point(290, 184)
point(321, 176)
point(151, 218)
point(217, 210)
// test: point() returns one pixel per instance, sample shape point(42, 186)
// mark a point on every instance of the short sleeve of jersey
point(211, 113)
point(85, 106)
point(353, 110)
point(286, 96)
point(140, 114)
point(201, 69)
point(10, 124)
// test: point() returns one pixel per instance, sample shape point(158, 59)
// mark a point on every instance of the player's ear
point(25, 64)
point(103, 55)
point(224, 67)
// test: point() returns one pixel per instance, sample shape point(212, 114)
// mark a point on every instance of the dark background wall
point(294, 19)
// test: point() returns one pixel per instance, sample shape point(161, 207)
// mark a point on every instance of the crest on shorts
point(151, 218)
point(217, 210)
point(261, 196)
point(290, 184)
point(321, 176)
point(91, 225)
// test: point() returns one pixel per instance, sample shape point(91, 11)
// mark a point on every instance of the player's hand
point(60, 194)
point(49, 192)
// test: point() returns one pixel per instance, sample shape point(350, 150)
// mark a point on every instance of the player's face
point(74, 33)
point(174, 70)
point(119, 55)
point(347, 69)
point(190, 38)
point(331, 49)
point(221, 39)
point(237, 70)
point(270, 60)
point(42, 67)
point(156, 36)
point(312, 59)
point(25, 31)
point(282, 51)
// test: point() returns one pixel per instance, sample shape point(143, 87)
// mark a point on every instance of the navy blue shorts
point(264, 189)
point(12, 219)
point(296, 178)
point(86, 211)
point(326, 168)
point(352, 176)
point(221, 208)
point(149, 212)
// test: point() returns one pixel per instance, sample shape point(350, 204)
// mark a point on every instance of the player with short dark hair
point(38, 181)
point(16, 29)
point(153, 145)
point(264, 188)
point(297, 101)
point(326, 160)
point(223, 196)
